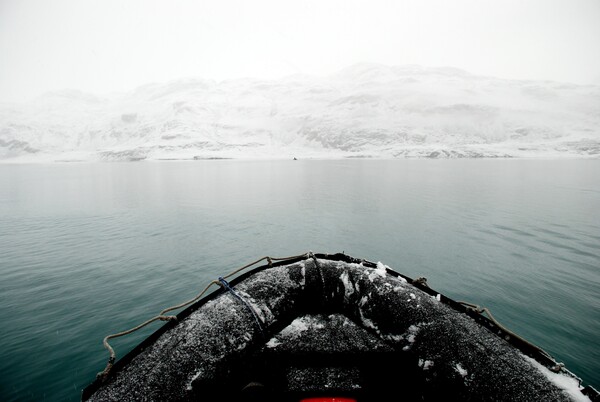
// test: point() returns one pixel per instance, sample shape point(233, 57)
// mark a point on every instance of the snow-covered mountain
point(367, 110)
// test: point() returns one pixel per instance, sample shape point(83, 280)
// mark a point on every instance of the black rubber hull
point(328, 326)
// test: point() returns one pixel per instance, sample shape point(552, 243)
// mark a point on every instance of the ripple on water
point(89, 250)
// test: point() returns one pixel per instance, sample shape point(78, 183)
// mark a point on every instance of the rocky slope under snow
point(366, 110)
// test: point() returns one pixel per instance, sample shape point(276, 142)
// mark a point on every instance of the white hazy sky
point(103, 46)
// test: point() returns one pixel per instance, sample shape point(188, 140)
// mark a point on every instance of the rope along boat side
point(332, 326)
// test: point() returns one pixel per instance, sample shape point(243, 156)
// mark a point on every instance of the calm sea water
point(92, 249)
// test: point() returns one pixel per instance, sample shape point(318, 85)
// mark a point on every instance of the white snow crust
point(568, 384)
point(460, 370)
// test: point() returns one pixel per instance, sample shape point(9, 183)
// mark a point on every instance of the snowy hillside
point(367, 110)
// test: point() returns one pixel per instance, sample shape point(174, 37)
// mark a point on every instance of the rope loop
point(163, 317)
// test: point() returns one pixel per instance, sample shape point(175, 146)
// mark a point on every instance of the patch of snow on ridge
point(380, 271)
point(297, 326)
point(366, 321)
point(382, 267)
point(348, 287)
point(394, 338)
point(568, 384)
point(295, 329)
point(273, 343)
point(425, 364)
point(194, 377)
point(303, 273)
point(412, 333)
point(460, 370)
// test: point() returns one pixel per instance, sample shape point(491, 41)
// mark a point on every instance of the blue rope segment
point(226, 285)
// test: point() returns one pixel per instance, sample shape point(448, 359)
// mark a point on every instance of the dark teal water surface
point(92, 249)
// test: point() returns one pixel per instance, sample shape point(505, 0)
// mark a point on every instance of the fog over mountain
point(366, 110)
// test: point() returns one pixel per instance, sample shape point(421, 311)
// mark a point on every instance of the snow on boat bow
point(323, 325)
